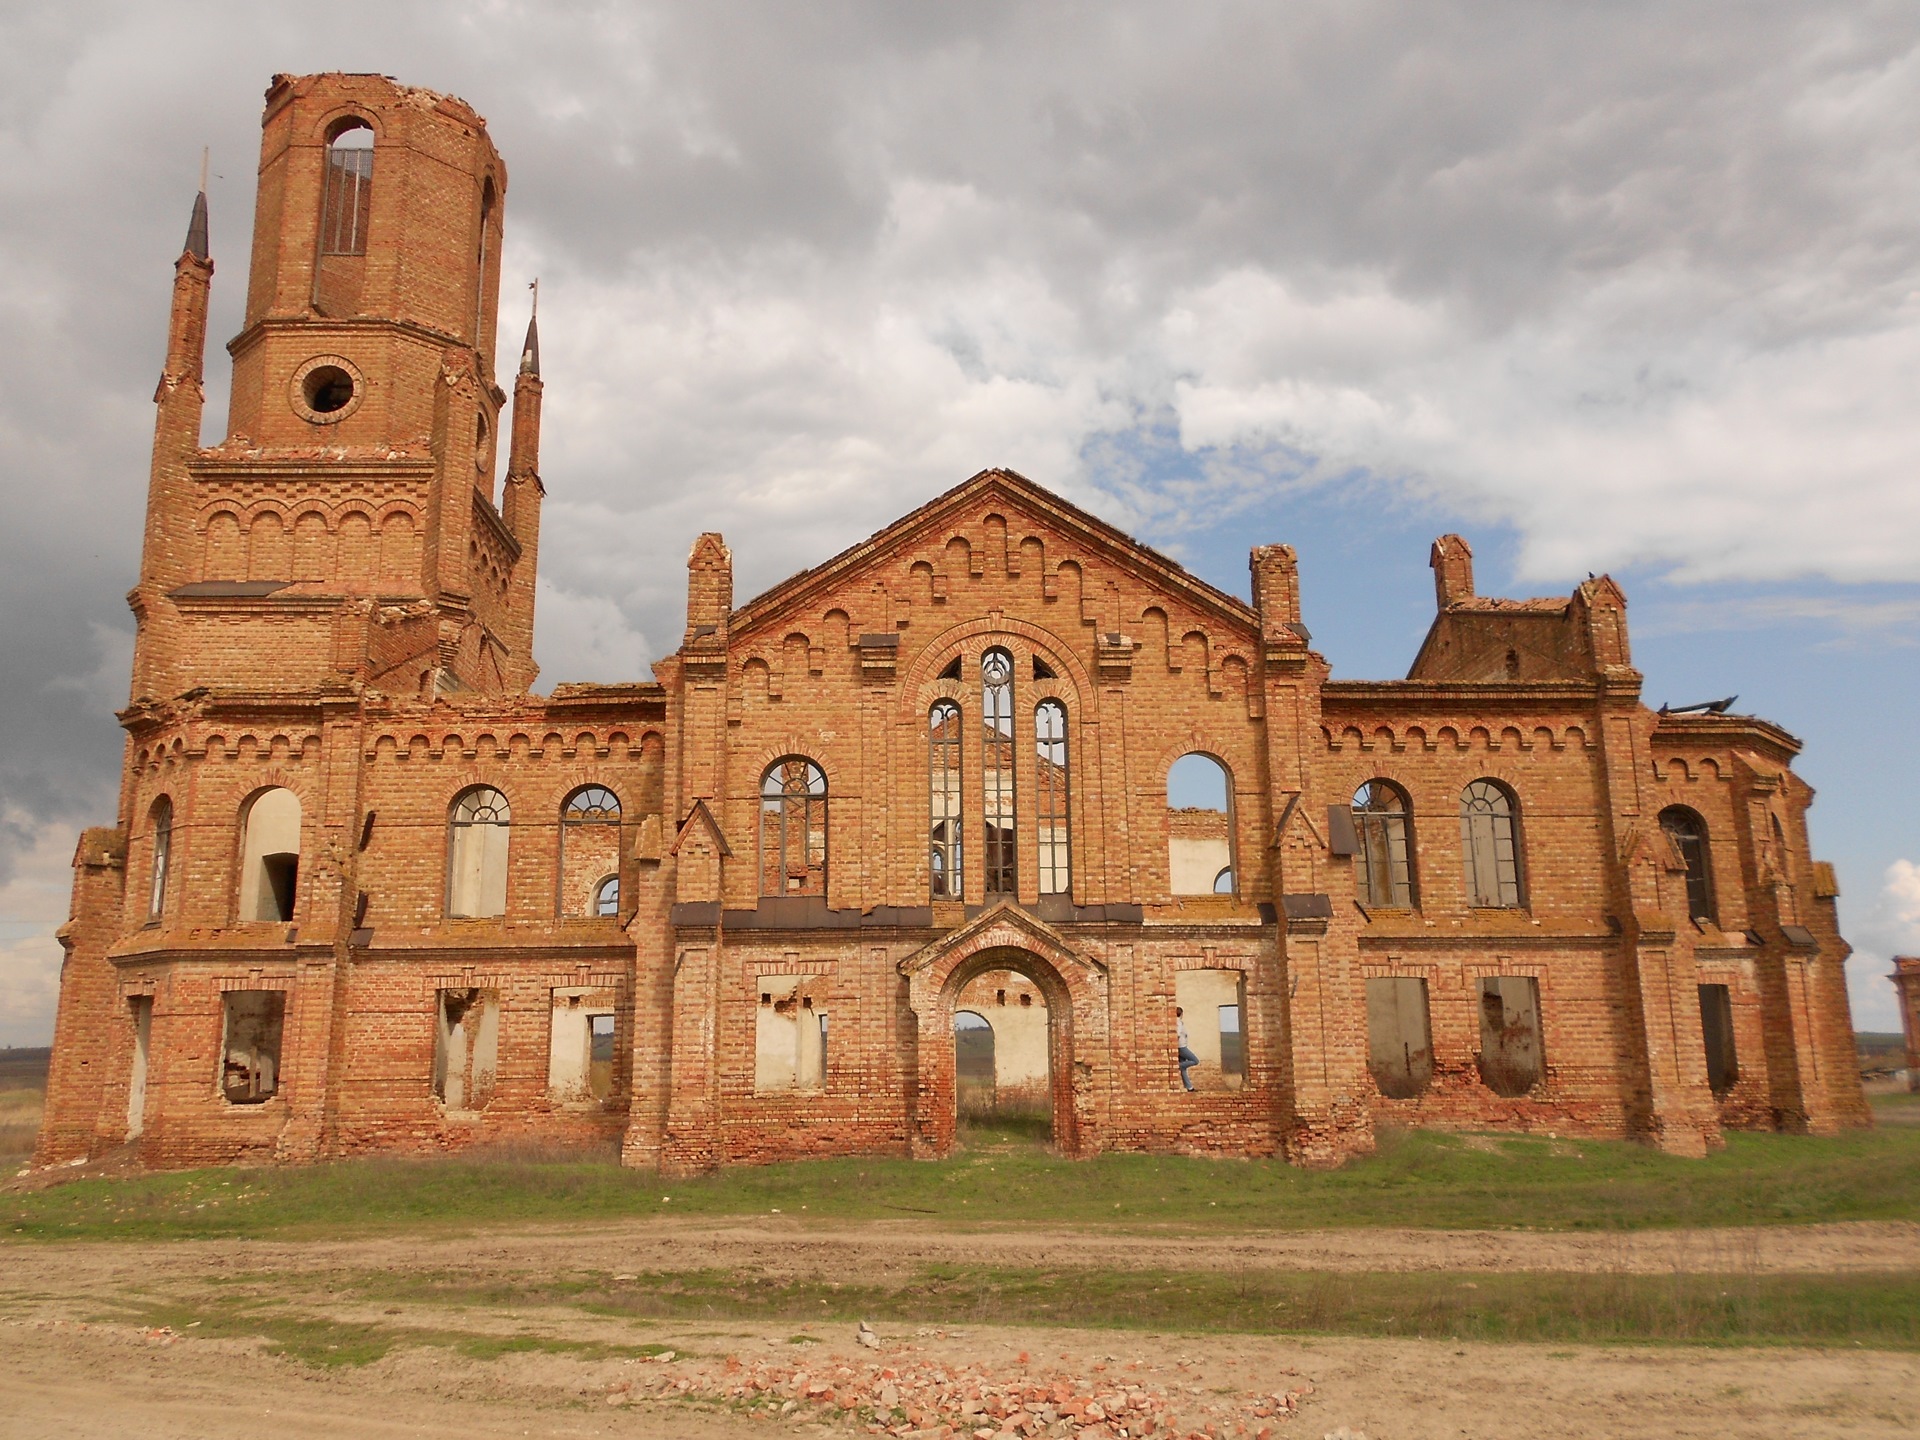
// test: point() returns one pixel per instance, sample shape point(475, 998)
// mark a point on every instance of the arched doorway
point(1003, 1073)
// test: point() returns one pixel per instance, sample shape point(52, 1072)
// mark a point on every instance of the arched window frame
point(346, 202)
point(1053, 832)
point(160, 823)
point(793, 828)
point(946, 802)
point(1688, 832)
point(606, 897)
point(1491, 860)
point(587, 806)
point(999, 807)
point(1383, 870)
point(477, 812)
point(269, 880)
point(1226, 880)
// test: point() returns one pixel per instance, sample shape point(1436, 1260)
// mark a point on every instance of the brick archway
point(1075, 989)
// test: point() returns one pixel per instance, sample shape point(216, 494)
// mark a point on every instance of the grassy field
point(23, 1076)
point(1419, 1179)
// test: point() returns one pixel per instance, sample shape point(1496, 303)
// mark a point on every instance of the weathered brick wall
point(338, 608)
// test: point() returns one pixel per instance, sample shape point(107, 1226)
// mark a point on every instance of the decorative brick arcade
point(366, 892)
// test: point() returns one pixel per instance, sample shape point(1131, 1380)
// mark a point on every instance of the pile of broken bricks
point(906, 1393)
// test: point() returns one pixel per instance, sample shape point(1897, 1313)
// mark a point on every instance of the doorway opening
point(1003, 1065)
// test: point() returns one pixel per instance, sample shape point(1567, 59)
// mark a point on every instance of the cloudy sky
point(1613, 287)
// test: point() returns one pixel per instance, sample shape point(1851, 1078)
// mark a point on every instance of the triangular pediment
point(700, 824)
point(1004, 926)
point(1021, 501)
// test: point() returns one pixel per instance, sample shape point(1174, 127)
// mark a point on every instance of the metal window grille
point(944, 800)
point(1489, 846)
point(793, 828)
point(348, 201)
point(1050, 741)
point(996, 770)
point(1384, 874)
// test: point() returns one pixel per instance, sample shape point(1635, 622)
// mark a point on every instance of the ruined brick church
point(997, 781)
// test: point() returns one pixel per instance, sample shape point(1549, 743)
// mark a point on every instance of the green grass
point(1417, 1179)
point(1874, 1310)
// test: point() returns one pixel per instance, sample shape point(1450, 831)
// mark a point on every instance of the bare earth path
point(76, 1362)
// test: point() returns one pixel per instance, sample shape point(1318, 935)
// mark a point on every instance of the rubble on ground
point(907, 1393)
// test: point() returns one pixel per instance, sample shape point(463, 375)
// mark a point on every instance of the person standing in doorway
point(1187, 1058)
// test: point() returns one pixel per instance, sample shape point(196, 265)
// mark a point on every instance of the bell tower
point(347, 527)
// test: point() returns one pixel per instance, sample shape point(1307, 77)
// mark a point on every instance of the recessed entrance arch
point(1073, 990)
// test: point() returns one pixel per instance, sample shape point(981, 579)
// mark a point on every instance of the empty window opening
point(140, 1012)
point(945, 858)
point(250, 1047)
point(580, 1050)
point(1716, 1030)
point(997, 814)
point(1399, 1035)
point(1003, 1064)
point(327, 389)
point(1511, 1061)
point(477, 854)
point(466, 1047)
point(1783, 888)
point(790, 1035)
point(1490, 845)
point(793, 828)
point(952, 670)
point(162, 824)
point(348, 200)
point(1688, 832)
point(1053, 834)
point(1383, 870)
point(590, 852)
point(1210, 1009)
point(1199, 827)
point(1042, 670)
point(270, 857)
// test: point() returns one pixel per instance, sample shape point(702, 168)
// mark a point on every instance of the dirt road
point(95, 1341)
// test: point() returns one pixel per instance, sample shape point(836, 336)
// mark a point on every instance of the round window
point(326, 389)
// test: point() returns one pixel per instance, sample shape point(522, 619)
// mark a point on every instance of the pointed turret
point(197, 228)
point(520, 505)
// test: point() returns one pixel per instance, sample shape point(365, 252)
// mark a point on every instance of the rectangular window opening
point(466, 1047)
point(790, 1035)
point(1716, 1030)
point(1511, 1059)
point(250, 1047)
point(1399, 1035)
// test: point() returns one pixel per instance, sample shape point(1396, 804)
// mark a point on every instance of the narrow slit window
point(348, 201)
point(1055, 836)
point(996, 770)
point(944, 800)
point(162, 857)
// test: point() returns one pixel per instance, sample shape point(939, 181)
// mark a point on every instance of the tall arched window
point(1383, 874)
point(162, 821)
point(348, 200)
point(589, 850)
point(943, 800)
point(793, 828)
point(1050, 803)
point(996, 770)
point(1689, 835)
point(1490, 845)
point(1199, 827)
point(1789, 895)
point(270, 856)
point(477, 853)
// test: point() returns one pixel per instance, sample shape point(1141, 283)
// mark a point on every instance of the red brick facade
point(393, 912)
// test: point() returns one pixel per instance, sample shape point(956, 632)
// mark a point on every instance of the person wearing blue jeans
point(1187, 1058)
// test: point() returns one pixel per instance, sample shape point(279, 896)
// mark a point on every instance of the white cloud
point(1891, 927)
point(33, 904)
